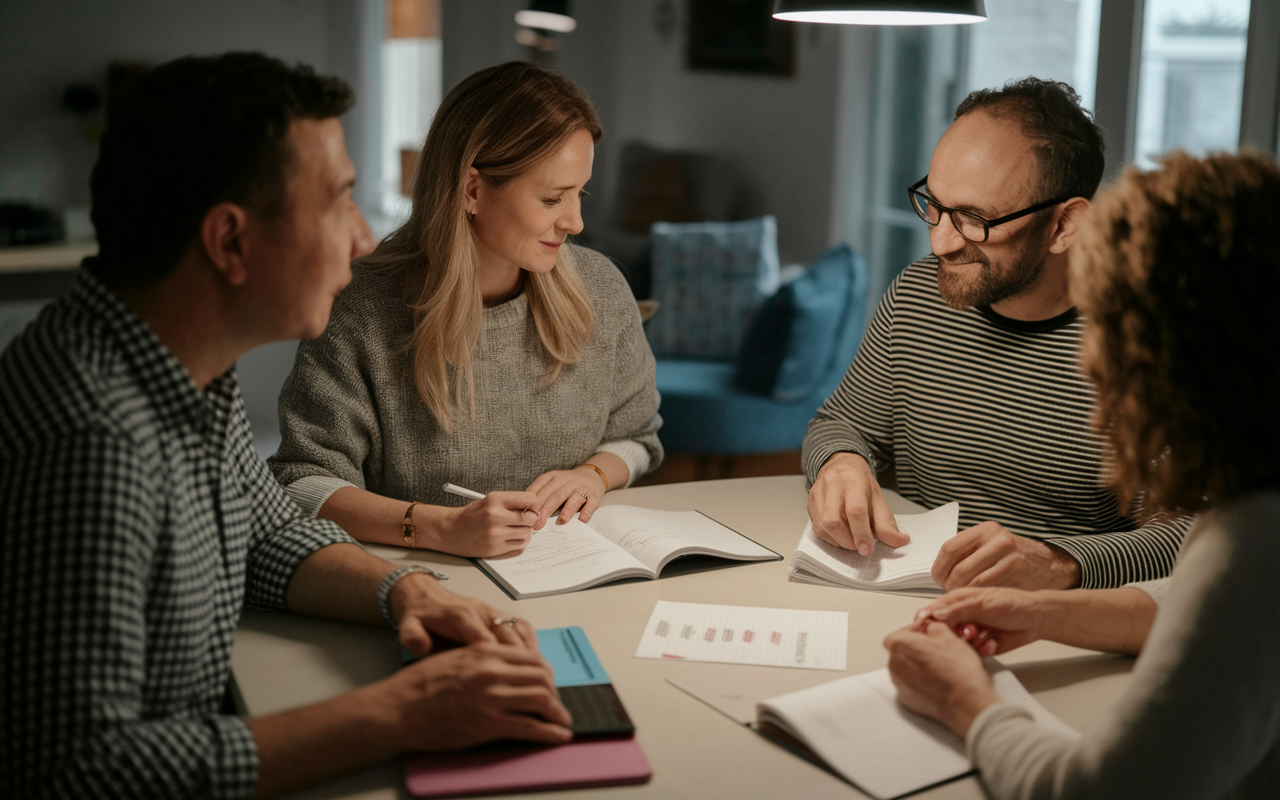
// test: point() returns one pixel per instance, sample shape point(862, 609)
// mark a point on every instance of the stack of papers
point(888, 569)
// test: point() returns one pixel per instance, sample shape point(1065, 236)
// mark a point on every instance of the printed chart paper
point(771, 637)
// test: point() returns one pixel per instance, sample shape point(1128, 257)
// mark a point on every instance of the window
point(1192, 76)
point(411, 89)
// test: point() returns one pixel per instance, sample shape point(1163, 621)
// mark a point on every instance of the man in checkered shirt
point(135, 519)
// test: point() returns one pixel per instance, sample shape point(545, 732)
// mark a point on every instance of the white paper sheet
point(773, 637)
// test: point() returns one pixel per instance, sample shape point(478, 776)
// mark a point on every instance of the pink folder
point(591, 762)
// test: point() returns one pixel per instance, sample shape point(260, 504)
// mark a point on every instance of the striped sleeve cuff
point(632, 453)
point(817, 452)
point(1110, 560)
point(311, 492)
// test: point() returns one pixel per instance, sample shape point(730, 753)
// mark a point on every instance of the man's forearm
point(339, 582)
point(1109, 620)
point(309, 745)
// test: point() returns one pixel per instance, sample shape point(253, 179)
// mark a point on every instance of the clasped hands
point(504, 522)
point(848, 510)
point(495, 686)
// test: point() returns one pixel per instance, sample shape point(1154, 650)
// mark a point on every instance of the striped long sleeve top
point(971, 406)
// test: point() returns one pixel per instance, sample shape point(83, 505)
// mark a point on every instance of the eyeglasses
point(968, 224)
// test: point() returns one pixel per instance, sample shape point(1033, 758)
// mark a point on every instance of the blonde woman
point(476, 346)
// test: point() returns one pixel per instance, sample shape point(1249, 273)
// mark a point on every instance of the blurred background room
point(751, 184)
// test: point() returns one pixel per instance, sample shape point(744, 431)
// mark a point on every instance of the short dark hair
point(193, 133)
point(1070, 153)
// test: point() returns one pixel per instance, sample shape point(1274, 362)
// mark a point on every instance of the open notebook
point(620, 542)
point(855, 727)
point(887, 569)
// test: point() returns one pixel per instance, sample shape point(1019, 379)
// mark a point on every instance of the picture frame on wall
point(740, 36)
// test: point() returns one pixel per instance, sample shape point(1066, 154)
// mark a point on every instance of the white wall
point(781, 131)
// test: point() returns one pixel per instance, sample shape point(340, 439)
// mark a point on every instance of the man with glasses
point(968, 384)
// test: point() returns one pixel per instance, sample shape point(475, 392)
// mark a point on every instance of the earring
point(471, 216)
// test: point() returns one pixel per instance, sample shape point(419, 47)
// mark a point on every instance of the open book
point(856, 728)
point(620, 542)
point(887, 569)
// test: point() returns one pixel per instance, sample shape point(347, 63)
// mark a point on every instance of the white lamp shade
point(882, 12)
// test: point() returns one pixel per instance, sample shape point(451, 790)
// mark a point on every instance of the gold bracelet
point(407, 528)
point(599, 472)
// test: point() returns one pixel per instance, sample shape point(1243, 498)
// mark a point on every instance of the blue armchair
point(792, 357)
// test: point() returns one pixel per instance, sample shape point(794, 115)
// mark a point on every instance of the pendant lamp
point(547, 15)
point(882, 12)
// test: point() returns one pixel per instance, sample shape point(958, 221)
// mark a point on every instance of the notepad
point(887, 569)
point(620, 542)
point(856, 727)
point(608, 756)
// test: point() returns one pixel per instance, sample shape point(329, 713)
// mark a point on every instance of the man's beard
point(991, 285)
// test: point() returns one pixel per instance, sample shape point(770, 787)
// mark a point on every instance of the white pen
point(461, 492)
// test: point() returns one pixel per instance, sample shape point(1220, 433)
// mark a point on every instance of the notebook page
point(777, 637)
point(928, 532)
point(857, 726)
point(651, 535)
point(560, 557)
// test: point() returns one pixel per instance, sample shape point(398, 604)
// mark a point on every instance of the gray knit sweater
point(350, 413)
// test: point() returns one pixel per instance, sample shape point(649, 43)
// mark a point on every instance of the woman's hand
point(578, 490)
point(939, 676)
point(500, 524)
point(992, 620)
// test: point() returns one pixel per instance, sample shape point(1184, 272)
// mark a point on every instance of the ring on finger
point(585, 496)
point(499, 621)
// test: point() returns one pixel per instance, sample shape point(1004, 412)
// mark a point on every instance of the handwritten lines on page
point(773, 637)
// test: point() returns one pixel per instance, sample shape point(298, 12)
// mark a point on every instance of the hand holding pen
point(494, 524)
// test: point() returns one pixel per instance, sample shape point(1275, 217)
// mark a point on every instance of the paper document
point(905, 568)
point(857, 727)
point(772, 637)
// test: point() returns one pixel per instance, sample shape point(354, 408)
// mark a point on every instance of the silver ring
point(505, 621)
point(585, 496)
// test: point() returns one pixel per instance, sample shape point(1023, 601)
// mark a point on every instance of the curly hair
point(195, 132)
point(1178, 275)
point(1070, 153)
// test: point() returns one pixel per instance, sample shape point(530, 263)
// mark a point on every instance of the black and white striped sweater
point(992, 412)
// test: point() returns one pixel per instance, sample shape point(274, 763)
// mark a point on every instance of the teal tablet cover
point(570, 654)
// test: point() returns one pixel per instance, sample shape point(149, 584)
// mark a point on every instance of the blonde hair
point(502, 121)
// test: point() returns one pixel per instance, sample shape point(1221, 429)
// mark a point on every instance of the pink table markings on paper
point(710, 635)
point(775, 638)
point(748, 636)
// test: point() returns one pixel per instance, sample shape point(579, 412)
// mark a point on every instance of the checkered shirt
point(135, 521)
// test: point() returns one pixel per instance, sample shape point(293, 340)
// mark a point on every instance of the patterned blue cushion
point(710, 277)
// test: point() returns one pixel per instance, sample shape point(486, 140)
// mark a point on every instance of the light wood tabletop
point(283, 660)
